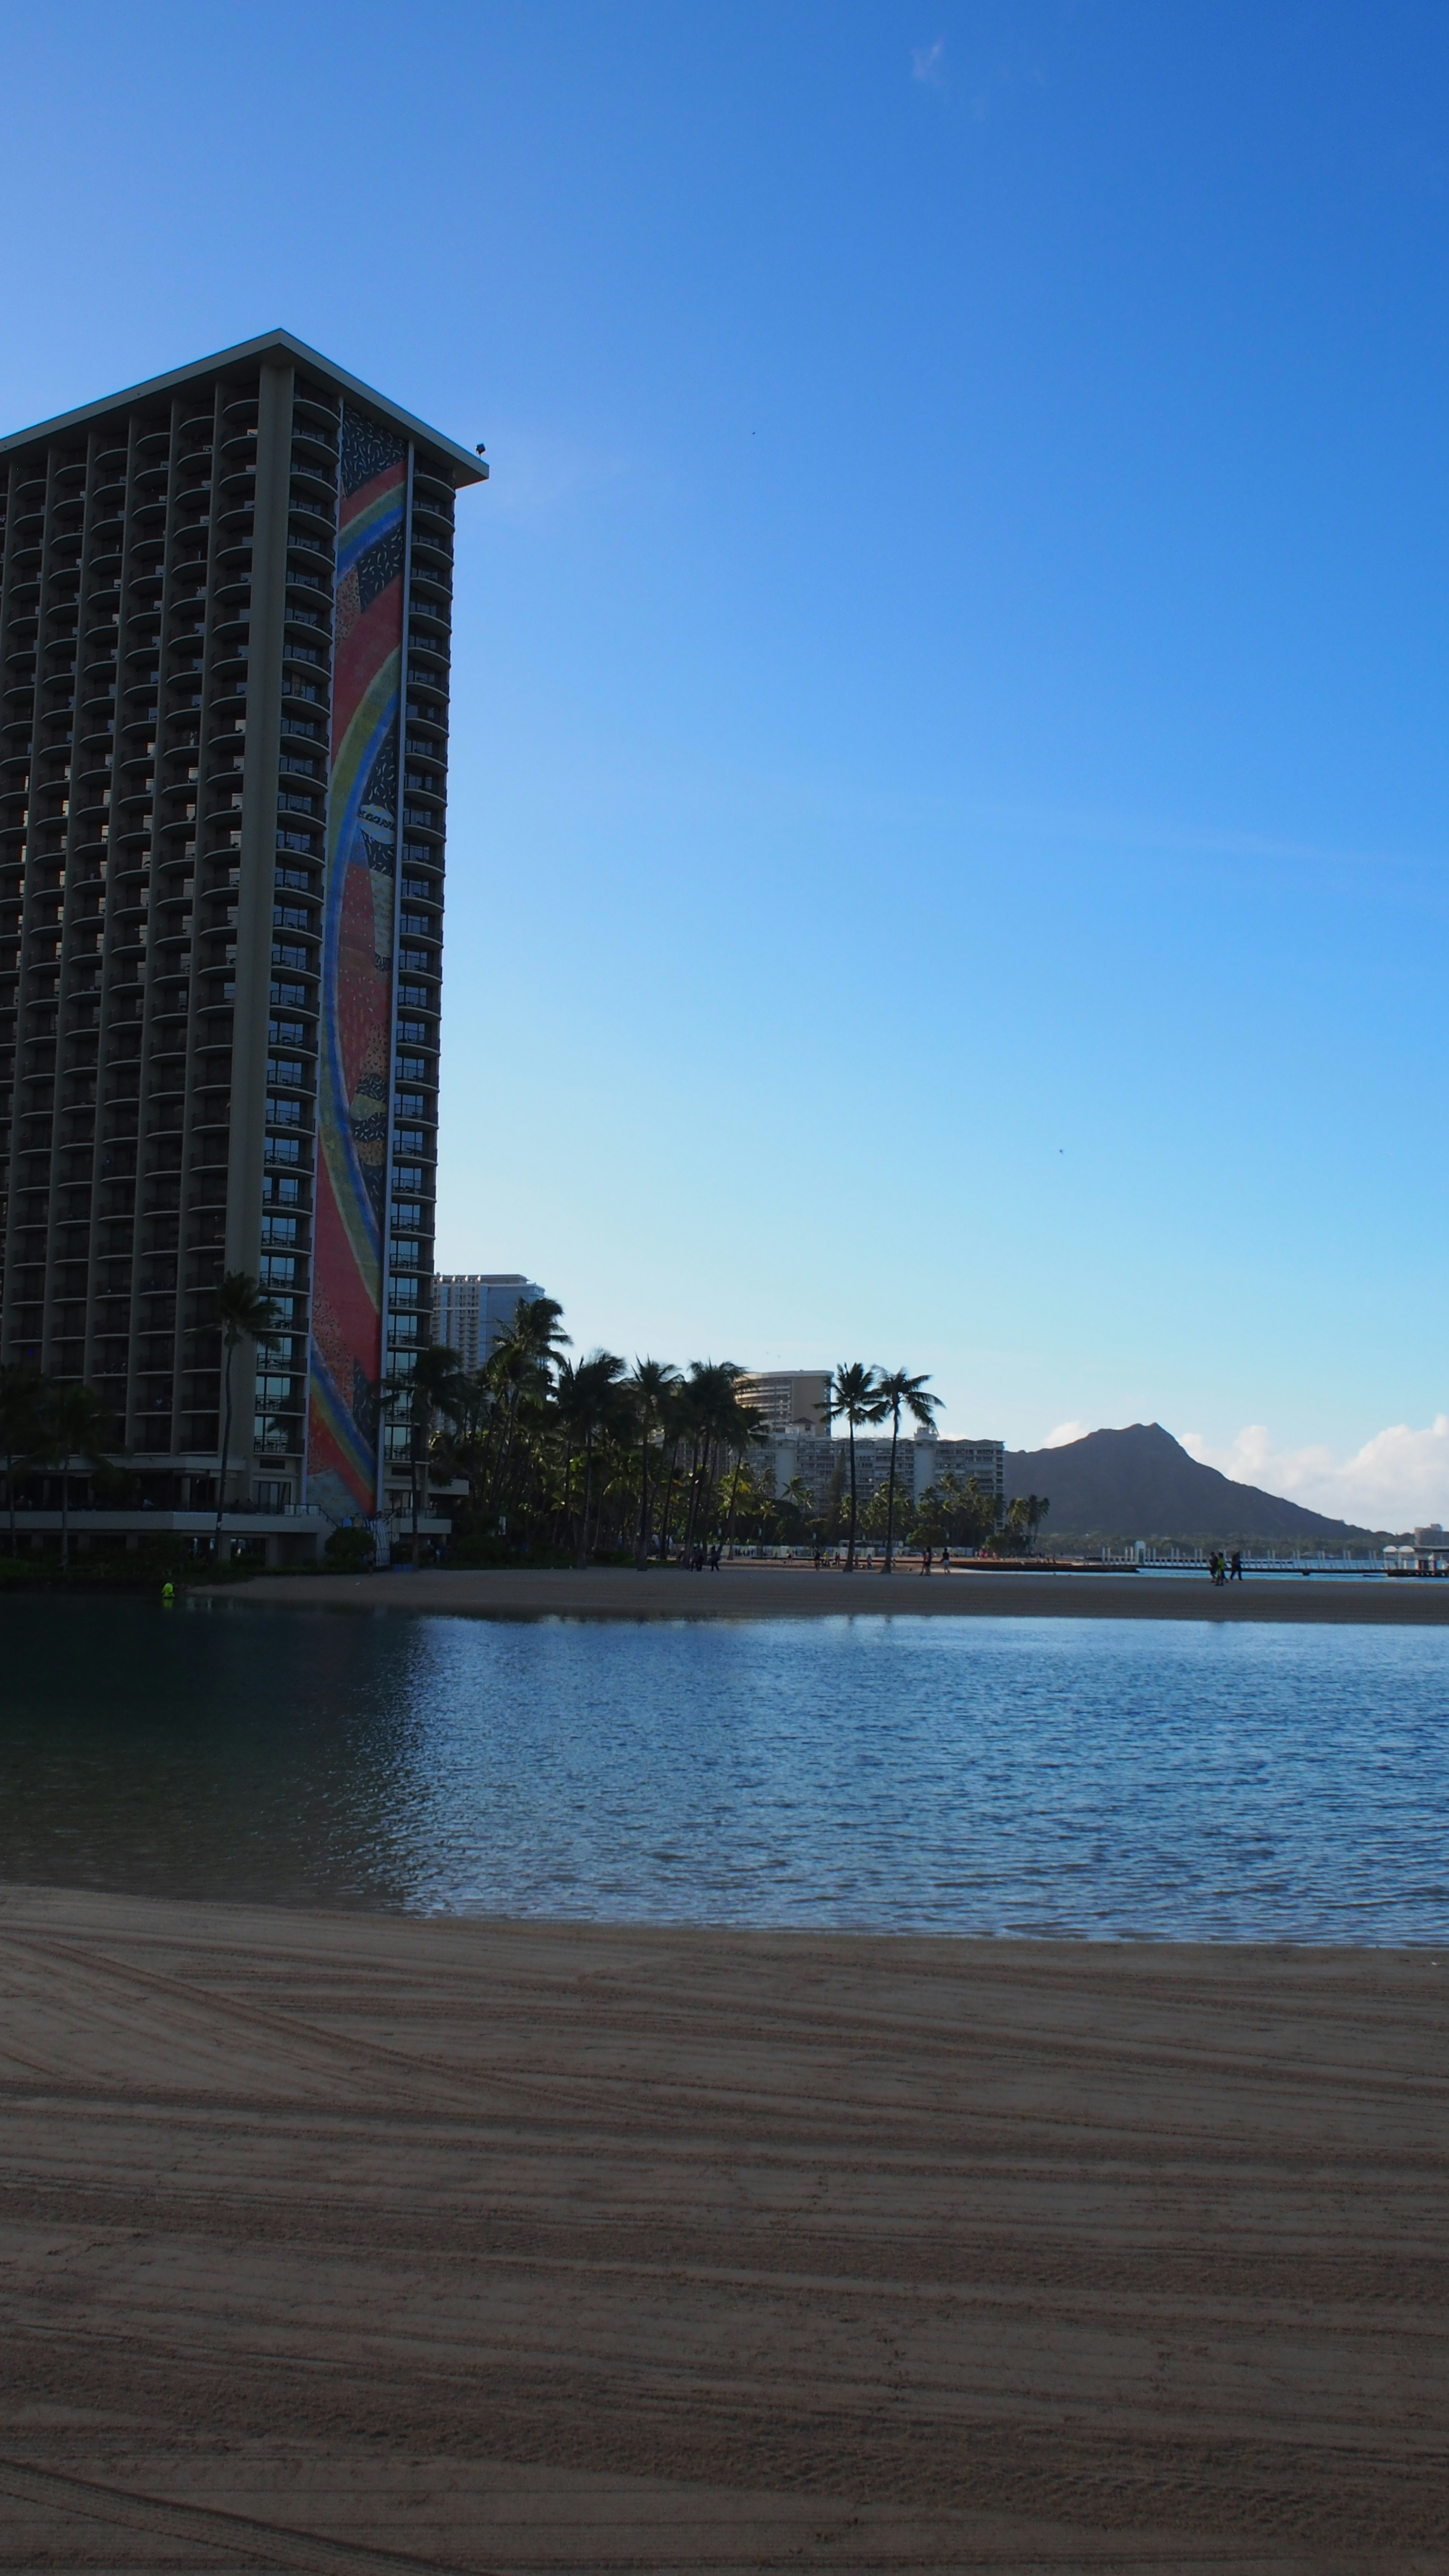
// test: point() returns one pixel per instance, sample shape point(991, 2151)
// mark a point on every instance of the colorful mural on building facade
point(357, 976)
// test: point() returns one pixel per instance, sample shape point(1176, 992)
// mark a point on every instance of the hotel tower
point(224, 654)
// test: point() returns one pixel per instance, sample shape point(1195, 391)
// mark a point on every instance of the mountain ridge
point(1139, 1482)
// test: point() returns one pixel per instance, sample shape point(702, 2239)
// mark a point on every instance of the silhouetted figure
point(925, 1560)
point(1237, 1565)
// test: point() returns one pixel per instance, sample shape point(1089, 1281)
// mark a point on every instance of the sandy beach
point(352, 2242)
point(754, 1591)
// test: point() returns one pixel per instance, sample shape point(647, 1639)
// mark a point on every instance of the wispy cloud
point(1397, 1480)
point(928, 63)
point(1064, 1432)
point(536, 473)
point(1128, 831)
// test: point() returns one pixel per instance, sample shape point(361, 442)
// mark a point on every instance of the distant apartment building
point(983, 1459)
point(789, 1399)
point(921, 1462)
point(472, 1308)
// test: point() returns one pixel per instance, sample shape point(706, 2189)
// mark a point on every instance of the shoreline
point(755, 1591)
point(344, 2239)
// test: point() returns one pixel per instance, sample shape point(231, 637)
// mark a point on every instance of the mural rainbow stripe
point(359, 928)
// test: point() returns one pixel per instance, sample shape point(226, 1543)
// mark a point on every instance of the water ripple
point(1109, 1778)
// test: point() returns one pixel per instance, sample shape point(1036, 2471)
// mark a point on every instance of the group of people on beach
point(866, 1563)
point(1223, 1571)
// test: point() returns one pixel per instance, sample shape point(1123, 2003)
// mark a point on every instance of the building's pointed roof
point(281, 348)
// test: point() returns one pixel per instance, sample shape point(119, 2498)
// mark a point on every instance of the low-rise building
point(1429, 1553)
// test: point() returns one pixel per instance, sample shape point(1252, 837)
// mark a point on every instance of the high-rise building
point(224, 652)
point(472, 1307)
point(921, 1461)
point(788, 1398)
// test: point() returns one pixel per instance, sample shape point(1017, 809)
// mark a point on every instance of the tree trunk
point(64, 1514)
point(568, 1500)
point(641, 1546)
point(504, 1454)
point(734, 1495)
point(588, 1487)
point(850, 1547)
point(891, 1490)
point(225, 1451)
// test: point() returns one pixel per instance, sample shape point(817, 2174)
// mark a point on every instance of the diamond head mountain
point(1140, 1483)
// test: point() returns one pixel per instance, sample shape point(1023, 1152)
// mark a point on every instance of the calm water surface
point(1114, 1778)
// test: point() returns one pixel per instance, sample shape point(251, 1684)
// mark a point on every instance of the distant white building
point(790, 1399)
point(1428, 1555)
point(472, 1308)
point(921, 1462)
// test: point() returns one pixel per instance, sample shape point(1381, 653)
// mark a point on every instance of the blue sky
point(948, 813)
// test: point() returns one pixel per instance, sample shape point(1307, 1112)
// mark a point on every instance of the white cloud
point(1064, 1432)
point(1397, 1480)
point(536, 472)
point(928, 62)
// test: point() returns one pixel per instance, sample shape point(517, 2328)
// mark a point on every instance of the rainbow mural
point(355, 1039)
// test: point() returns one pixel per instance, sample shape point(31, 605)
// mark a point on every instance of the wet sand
point(784, 1592)
point(363, 2243)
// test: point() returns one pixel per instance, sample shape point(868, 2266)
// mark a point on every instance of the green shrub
point(348, 1551)
point(476, 1552)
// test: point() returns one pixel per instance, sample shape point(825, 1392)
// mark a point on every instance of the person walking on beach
point(925, 1560)
point(714, 1558)
point(946, 1556)
point(1236, 1569)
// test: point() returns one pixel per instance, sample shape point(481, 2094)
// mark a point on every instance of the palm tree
point(590, 1400)
point(22, 1390)
point(520, 1365)
point(244, 1311)
point(435, 1384)
point(796, 1497)
point(1024, 1517)
point(853, 1397)
point(711, 1406)
point(604, 1406)
point(649, 1386)
point(747, 1428)
point(71, 1424)
point(675, 1417)
point(900, 1391)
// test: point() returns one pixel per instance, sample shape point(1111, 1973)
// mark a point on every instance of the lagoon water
point(1116, 1779)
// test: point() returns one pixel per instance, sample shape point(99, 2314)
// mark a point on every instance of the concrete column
point(255, 873)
